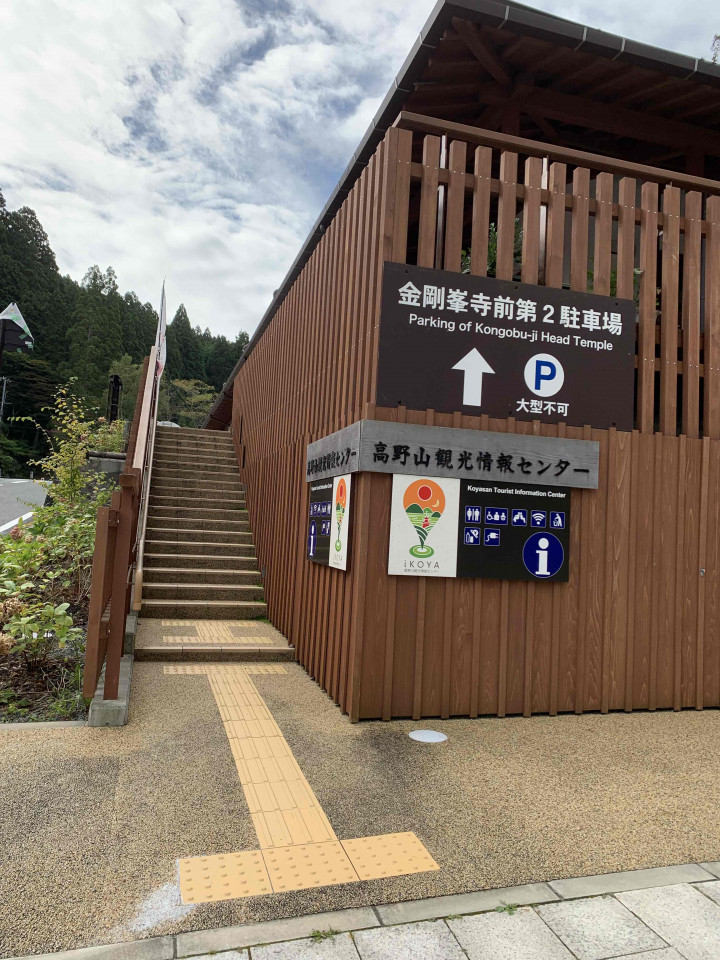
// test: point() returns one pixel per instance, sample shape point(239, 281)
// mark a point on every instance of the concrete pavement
point(14, 497)
point(95, 821)
point(672, 913)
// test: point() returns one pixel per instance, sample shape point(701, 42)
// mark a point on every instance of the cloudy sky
point(199, 139)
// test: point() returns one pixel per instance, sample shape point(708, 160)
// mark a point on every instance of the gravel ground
point(93, 820)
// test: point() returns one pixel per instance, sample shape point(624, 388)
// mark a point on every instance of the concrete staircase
point(200, 561)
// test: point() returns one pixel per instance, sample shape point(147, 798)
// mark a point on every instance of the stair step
point(227, 458)
point(204, 609)
point(194, 535)
point(214, 464)
point(202, 591)
point(179, 475)
point(205, 502)
point(194, 547)
point(194, 486)
point(197, 512)
point(177, 653)
point(191, 432)
point(207, 525)
point(194, 561)
point(202, 575)
point(192, 446)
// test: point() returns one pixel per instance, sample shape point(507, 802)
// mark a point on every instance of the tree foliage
point(86, 331)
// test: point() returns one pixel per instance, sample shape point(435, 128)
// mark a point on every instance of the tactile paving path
point(308, 865)
point(299, 846)
point(216, 632)
point(226, 876)
point(390, 855)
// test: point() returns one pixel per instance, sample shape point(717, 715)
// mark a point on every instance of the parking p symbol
point(544, 375)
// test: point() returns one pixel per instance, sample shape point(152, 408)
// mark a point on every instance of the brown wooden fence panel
point(636, 626)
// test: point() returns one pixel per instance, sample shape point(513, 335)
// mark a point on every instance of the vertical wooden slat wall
point(638, 624)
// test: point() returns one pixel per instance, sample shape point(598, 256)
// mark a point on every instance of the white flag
point(160, 341)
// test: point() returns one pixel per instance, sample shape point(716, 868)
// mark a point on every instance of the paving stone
point(433, 908)
point(504, 936)
point(429, 940)
point(682, 916)
point(340, 947)
point(667, 954)
point(710, 889)
point(156, 948)
point(273, 931)
point(227, 955)
point(598, 928)
point(713, 867)
point(630, 880)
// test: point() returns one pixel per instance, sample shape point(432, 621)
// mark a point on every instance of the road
point(14, 497)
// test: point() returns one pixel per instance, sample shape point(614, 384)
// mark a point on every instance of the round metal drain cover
point(427, 736)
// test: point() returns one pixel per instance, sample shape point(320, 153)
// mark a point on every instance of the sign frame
point(374, 444)
point(454, 342)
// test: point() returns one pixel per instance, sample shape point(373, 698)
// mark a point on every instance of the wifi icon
point(538, 518)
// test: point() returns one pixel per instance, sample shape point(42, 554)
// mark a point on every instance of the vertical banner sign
point(320, 521)
point(339, 522)
point(423, 526)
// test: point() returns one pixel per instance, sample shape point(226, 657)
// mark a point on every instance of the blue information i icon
point(312, 539)
point(543, 555)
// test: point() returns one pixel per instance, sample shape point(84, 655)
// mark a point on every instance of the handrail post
point(93, 655)
point(124, 543)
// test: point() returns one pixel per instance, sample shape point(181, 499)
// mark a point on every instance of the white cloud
point(198, 139)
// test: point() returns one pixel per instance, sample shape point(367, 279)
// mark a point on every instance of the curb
point(219, 939)
point(42, 725)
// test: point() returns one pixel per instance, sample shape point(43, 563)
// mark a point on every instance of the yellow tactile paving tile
point(308, 865)
point(219, 633)
point(390, 855)
point(225, 876)
point(298, 843)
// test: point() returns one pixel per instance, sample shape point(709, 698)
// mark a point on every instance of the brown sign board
point(454, 342)
point(382, 446)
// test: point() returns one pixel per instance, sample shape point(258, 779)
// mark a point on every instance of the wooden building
point(606, 152)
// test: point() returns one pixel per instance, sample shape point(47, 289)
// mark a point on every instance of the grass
point(509, 908)
point(317, 936)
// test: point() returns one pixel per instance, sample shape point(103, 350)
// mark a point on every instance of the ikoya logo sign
point(428, 544)
point(424, 502)
point(340, 504)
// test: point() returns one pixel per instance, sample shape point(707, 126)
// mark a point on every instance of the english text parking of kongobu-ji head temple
point(479, 425)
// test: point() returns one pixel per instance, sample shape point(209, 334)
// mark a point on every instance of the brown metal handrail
point(147, 480)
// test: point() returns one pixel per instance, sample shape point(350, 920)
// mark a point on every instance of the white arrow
point(474, 365)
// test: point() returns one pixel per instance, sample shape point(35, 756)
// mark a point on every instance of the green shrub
point(108, 436)
point(40, 629)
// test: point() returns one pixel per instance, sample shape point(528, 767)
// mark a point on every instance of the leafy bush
point(39, 629)
point(69, 439)
point(46, 569)
point(108, 436)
